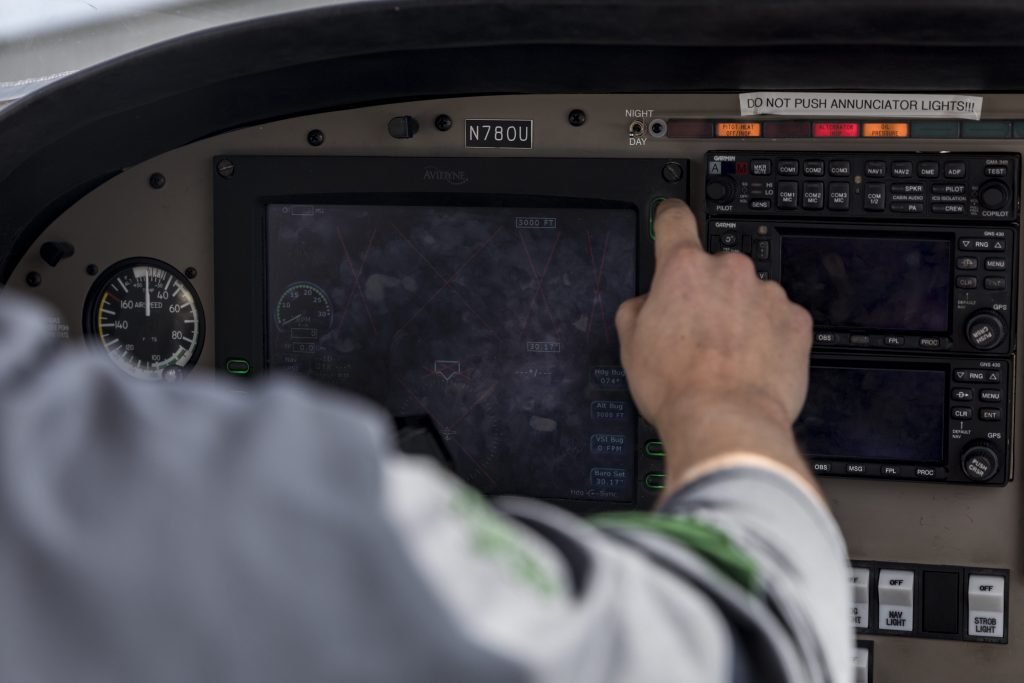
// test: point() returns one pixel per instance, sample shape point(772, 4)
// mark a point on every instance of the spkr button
point(895, 600)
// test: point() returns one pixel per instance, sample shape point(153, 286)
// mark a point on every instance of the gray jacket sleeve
point(192, 533)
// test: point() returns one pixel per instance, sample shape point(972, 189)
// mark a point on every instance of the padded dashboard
point(190, 149)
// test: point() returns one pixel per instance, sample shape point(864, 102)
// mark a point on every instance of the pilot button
point(860, 577)
point(895, 600)
point(986, 597)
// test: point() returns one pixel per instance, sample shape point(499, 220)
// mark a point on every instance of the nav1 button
point(895, 600)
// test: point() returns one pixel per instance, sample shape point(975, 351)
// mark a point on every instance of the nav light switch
point(986, 604)
point(895, 600)
point(860, 577)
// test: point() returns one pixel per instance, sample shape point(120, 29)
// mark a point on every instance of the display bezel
point(240, 214)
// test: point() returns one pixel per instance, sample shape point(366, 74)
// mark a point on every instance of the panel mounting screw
point(191, 273)
point(672, 172)
point(157, 180)
point(91, 269)
point(225, 168)
point(315, 137)
point(33, 279)
point(577, 117)
point(443, 123)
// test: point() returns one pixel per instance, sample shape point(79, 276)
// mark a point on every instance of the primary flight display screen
point(497, 322)
point(869, 283)
point(864, 413)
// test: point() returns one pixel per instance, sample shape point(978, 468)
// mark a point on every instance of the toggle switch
point(895, 600)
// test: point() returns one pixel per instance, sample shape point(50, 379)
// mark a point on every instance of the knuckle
point(625, 314)
point(737, 264)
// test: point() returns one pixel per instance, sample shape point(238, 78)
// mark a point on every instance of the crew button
point(787, 194)
point(962, 413)
point(760, 167)
point(813, 195)
point(874, 197)
point(990, 414)
point(839, 168)
point(789, 167)
point(895, 600)
point(928, 169)
point(839, 196)
point(967, 282)
point(902, 169)
point(955, 169)
point(995, 283)
point(963, 394)
point(990, 395)
point(967, 263)
point(874, 169)
point(814, 167)
point(995, 264)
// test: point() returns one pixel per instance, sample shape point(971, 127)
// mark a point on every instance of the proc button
point(986, 600)
point(895, 600)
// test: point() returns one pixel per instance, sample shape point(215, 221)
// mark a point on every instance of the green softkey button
point(655, 481)
point(655, 449)
point(238, 366)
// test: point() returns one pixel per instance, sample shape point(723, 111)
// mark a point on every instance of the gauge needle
point(147, 293)
point(291, 320)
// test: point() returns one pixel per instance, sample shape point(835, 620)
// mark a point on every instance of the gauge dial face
point(147, 318)
point(304, 306)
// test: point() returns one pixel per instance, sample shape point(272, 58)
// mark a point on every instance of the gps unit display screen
point(884, 414)
point(497, 322)
point(867, 283)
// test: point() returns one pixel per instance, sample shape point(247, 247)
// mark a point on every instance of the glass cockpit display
point(497, 322)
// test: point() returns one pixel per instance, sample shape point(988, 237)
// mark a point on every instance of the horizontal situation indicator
point(888, 129)
point(836, 129)
point(747, 129)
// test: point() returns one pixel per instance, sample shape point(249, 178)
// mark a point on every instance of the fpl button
point(860, 577)
point(986, 606)
point(895, 600)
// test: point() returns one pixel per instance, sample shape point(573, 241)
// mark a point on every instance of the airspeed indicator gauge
point(147, 318)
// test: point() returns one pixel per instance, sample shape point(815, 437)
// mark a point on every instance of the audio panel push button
point(895, 600)
point(986, 605)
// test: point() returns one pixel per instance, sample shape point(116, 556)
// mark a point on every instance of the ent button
point(895, 600)
point(985, 606)
point(859, 579)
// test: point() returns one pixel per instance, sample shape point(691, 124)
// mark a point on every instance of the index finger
point(674, 226)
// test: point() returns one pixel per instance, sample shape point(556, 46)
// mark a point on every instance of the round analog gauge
point(304, 306)
point(147, 318)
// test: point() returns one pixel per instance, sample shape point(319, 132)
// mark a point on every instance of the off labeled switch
point(860, 577)
point(986, 606)
point(895, 600)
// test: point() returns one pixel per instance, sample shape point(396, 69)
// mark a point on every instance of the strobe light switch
point(986, 606)
point(860, 577)
point(895, 600)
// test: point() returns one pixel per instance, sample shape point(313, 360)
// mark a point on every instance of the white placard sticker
point(881, 105)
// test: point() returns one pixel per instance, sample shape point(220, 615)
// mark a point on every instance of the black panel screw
point(577, 117)
point(91, 269)
point(315, 137)
point(33, 279)
point(157, 180)
point(672, 172)
point(191, 273)
point(443, 123)
point(225, 168)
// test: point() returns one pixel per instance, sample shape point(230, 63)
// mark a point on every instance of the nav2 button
point(895, 600)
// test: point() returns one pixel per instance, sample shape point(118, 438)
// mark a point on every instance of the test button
point(895, 600)
point(986, 605)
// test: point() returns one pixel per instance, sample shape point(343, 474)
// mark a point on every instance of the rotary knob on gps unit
point(979, 462)
point(993, 195)
point(985, 330)
point(720, 189)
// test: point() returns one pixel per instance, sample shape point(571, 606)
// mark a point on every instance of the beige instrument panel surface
point(890, 521)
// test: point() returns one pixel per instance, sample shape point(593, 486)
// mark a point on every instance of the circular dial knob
point(979, 462)
point(993, 195)
point(985, 330)
point(720, 189)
